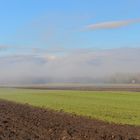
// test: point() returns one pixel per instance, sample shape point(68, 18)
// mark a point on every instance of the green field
point(118, 107)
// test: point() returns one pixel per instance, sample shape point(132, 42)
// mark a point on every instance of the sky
point(52, 30)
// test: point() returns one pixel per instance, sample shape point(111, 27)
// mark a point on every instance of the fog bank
point(101, 66)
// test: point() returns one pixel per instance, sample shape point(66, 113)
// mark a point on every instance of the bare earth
point(24, 122)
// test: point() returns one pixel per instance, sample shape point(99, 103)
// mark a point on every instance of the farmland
point(25, 122)
point(111, 106)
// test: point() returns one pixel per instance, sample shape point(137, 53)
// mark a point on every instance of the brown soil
point(133, 88)
point(24, 122)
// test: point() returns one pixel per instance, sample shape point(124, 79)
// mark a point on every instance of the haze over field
point(84, 66)
point(59, 42)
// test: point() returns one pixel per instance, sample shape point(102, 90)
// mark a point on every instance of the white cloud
point(112, 24)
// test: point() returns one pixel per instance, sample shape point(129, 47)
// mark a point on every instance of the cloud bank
point(3, 47)
point(93, 66)
point(112, 24)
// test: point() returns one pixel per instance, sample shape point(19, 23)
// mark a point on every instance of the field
point(24, 122)
point(111, 106)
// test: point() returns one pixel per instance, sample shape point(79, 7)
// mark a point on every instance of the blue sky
point(44, 24)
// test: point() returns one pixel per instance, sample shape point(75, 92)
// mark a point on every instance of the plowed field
point(24, 122)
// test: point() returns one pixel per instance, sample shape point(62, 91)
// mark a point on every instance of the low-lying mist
point(101, 66)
